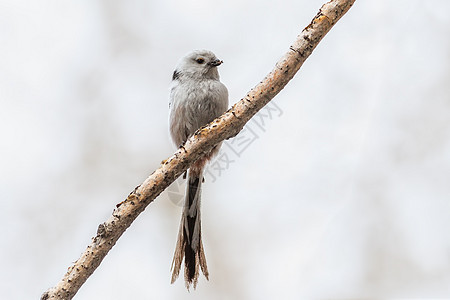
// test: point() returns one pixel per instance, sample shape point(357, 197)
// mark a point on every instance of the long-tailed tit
point(197, 97)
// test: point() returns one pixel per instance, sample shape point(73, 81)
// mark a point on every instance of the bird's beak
point(215, 63)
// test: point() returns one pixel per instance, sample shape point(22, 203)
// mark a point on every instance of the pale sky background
point(344, 191)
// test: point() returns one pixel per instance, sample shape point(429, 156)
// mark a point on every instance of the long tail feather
point(189, 244)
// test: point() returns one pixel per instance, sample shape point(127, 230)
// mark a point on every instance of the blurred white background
point(346, 194)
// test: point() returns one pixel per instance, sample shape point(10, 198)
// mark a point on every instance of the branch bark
point(224, 127)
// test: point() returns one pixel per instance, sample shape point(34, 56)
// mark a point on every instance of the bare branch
point(224, 127)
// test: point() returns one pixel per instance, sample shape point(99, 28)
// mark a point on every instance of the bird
point(197, 97)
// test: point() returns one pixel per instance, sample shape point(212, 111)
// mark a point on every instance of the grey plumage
point(196, 98)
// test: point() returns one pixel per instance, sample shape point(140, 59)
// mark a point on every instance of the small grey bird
point(197, 97)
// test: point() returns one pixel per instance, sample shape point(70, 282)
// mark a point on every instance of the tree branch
point(226, 126)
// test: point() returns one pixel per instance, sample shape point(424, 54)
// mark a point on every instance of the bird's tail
point(189, 244)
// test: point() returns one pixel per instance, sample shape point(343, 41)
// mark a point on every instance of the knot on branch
point(45, 296)
point(102, 233)
point(101, 230)
point(132, 197)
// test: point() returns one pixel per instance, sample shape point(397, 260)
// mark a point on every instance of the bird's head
point(198, 64)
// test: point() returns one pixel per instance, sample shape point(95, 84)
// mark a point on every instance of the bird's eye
point(200, 60)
